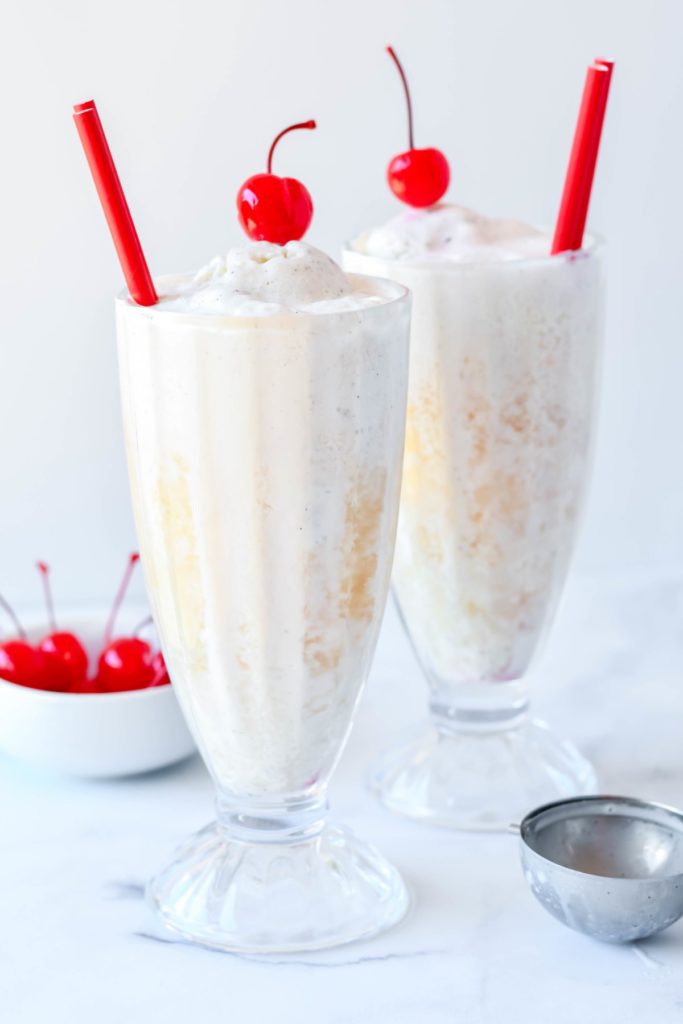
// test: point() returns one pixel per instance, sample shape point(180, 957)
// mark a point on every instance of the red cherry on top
point(66, 661)
point(274, 209)
point(125, 663)
point(418, 177)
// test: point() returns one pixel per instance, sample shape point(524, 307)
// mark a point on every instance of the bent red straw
point(108, 185)
point(571, 219)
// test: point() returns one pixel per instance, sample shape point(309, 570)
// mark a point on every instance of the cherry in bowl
point(58, 660)
point(65, 658)
point(93, 734)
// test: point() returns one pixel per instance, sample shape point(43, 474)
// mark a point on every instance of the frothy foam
point(448, 232)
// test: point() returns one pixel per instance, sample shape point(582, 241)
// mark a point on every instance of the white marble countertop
point(78, 943)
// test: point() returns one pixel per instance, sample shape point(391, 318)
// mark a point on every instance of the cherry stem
point(44, 570)
point(120, 594)
point(7, 607)
point(392, 54)
point(292, 128)
point(147, 621)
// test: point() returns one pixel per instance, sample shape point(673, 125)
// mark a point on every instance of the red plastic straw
point(108, 185)
point(571, 220)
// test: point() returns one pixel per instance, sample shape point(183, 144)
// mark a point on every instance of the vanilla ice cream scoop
point(261, 278)
point(449, 232)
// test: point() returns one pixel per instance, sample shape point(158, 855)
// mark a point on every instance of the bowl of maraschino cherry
point(90, 696)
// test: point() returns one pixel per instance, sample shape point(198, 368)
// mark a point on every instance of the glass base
point(480, 780)
point(267, 897)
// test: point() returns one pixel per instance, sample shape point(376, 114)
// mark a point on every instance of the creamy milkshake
point(264, 408)
point(504, 355)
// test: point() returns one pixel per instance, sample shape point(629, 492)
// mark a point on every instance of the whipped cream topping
point(449, 232)
point(262, 279)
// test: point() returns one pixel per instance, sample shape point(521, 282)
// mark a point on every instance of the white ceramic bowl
point(92, 735)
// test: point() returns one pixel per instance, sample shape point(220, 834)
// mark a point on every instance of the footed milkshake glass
point(503, 379)
point(265, 462)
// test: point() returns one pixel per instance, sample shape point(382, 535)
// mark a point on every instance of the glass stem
point(479, 707)
point(290, 820)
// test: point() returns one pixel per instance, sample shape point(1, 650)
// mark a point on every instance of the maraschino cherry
point(274, 209)
point(66, 658)
point(418, 177)
point(20, 662)
point(127, 662)
point(161, 676)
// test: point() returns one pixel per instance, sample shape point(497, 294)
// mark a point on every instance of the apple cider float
point(264, 413)
point(505, 339)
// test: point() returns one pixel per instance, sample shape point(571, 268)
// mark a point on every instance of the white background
point(192, 93)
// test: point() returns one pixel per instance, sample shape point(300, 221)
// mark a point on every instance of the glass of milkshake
point(505, 343)
point(264, 412)
point(505, 340)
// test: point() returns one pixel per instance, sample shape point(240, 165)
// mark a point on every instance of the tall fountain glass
point(503, 382)
point(265, 463)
